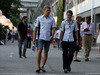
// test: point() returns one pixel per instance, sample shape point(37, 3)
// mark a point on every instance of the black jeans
point(68, 53)
point(29, 42)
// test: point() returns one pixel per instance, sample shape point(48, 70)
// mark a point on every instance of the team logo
point(42, 18)
point(66, 22)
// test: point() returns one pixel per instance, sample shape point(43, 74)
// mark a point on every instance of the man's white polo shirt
point(45, 26)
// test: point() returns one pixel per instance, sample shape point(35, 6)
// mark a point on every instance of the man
point(67, 40)
point(88, 30)
point(13, 34)
point(22, 35)
point(45, 22)
point(77, 48)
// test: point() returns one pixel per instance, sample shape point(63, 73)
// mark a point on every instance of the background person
point(22, 36)
point(88, 30)
point(77, 47)
point(29, 34)
point(13, 34)
point(98, 39)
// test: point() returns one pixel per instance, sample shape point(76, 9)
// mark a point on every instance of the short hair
point(78, 17)
point(45, 7)
point(24, 17)
point(89, 18)
point(69, 11)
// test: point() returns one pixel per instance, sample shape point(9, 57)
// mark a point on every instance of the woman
point(98, 38)
point(29, 33)
point(67, 40)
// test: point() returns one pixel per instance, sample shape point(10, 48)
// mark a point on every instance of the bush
point(60, 13)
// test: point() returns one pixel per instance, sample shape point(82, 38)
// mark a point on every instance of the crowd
point(72, 35)
point(6, 34)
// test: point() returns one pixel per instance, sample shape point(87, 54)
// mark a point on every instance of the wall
point(84, 6)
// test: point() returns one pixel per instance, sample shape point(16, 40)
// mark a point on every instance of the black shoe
point(65, 71)
point(42, 69)
point(77, 60)
point(69, 68)
point(20, 56)
point(38, 70)
point(87, 59)
point(24, 56)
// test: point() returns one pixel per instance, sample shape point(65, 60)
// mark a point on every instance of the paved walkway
point(11, 64)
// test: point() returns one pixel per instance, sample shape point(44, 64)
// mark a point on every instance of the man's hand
point(60, 42)
point(51, 38)
point(19, 38)
point(34, 40)
point(86, 30)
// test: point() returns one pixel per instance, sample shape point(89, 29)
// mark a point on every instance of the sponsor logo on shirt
point(42, 18)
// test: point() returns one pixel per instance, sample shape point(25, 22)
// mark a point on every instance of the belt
point(89, 34)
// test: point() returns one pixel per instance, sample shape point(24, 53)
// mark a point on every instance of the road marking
point(93, 73)
point(27, 74)
point(12, 53)
point(10, 56)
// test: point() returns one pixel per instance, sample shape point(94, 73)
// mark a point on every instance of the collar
point(70, 22)
point(44, 16)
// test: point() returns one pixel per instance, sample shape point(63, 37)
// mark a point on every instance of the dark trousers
point(20, 42)
point(68, 53)
point(29, 42)
point(58, 43)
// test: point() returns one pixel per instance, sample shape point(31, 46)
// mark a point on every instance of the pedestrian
point(67, 40)
point(98, 38)
point(58, 38)
point(77, 47)
point(54, 41)
point(46, 25)
point(7, 34)
point(4, 34)
point(88, 30)
point(13, 34)
point(22, 36)
point(29, 34)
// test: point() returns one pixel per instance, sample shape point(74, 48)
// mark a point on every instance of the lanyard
point(70, 24)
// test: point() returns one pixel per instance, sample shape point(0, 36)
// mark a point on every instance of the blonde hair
point(45, 7)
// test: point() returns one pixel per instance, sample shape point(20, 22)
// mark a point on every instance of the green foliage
point(10, 7)
point(60, 13)
point(10, 10)
point(15, 20)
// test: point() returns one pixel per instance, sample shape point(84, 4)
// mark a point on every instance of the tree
point(10, 10)
point(60, 13)
point(10, 7)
